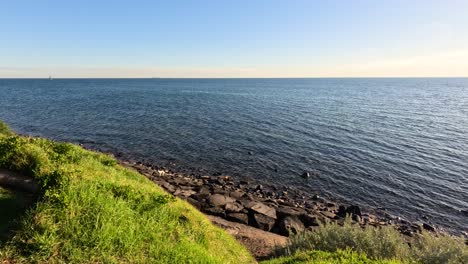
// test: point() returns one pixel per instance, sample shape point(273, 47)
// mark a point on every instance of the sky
point(233, 38)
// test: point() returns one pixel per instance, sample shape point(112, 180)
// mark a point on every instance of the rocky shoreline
point(270, 208)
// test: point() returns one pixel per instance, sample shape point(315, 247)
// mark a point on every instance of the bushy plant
point(379, 244)
point(442, 248)
point(376, 243)
point(5, 130)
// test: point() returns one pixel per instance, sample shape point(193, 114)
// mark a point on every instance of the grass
point(12, 205)
point(380, 244)
point(90, 209)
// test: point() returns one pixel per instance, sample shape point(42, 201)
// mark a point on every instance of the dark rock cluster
point(270, 208)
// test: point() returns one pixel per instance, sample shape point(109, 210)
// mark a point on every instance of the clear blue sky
point(221, 38)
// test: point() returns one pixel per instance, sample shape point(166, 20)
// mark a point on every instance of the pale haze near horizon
point(233, 39)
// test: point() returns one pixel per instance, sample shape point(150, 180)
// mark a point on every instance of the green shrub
point(5, 130)
point(430, 249)
point(322, 257)
point(376, 243)
point(379, 244)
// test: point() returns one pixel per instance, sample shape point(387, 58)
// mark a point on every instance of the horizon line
point(329, 77)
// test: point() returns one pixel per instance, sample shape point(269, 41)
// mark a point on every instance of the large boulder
point(233, 207)
point(238, 217)
point(219, 200)
point(260, 208)
point(284, 211)
point(262, 221)
point(290, 225)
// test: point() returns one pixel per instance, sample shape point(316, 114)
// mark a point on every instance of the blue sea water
point(401, 144)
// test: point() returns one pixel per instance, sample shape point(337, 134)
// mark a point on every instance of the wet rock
point(219, 200)
point(428, 227)
point(290, 224)
point(233, 207)
point(351, 210)
point(305, 175)
point(238, 217)
point(354, 210)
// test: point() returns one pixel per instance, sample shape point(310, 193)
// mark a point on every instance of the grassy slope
point(11, 206)
point(93, 210)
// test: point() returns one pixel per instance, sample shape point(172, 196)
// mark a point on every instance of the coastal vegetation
point(375, 244)
point(91, 209)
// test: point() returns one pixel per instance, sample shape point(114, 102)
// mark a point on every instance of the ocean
point(393, 144)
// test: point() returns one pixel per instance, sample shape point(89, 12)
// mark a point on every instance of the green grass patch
point(12, 205)
point(90, 209)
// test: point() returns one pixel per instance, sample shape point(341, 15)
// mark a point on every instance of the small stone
point(305, 175)
point(236, 194)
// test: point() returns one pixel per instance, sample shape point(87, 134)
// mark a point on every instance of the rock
point(262, 221)
point(328, 214)
point(216, 211)
point(285, 211)
point(233, 207)
point(290, 224)
point(315, 197)
point(169, 187)
point(238, 217)
point(305, 175)
point(310, 220)
point(219, 200)
point(195, 203)
point(353, 210)
point(428, 227)
point(184, 193)
point(260, 208)
point(250, 153)
point(237, 194)
point(259, 187)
